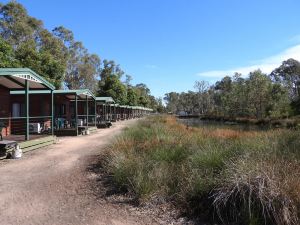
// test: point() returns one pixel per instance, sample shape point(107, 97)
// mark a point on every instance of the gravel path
point(53, 185)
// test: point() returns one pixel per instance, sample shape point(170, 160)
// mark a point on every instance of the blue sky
point(169, 44)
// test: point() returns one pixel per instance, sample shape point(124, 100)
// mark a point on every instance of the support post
point(87, 111)
point(115, 113)
point(95, 103)
point(76, 115)
point(27, 109)
point(110, 113)
point(52, 113)
point(105, 112)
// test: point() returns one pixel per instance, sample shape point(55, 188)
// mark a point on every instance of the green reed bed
point(217, 174)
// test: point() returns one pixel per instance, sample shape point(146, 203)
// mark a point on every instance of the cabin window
point(18, 110)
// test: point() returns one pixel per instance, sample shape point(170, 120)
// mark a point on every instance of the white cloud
point(267, 65)
point(295, 39)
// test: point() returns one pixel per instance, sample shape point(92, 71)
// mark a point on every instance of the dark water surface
point(197, 122)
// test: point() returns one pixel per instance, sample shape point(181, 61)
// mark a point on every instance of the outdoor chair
point(67, 124)
point(2, 126)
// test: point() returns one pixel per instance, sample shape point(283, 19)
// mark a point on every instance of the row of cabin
point(30, 107)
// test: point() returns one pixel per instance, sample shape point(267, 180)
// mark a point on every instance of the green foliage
point(7, 55)
point(113, 87)
point(110, 84)
point(288, 74)
point(82, 68)
point(257, 96)
point(64, 61)
point(131, 96)
point(33, 46)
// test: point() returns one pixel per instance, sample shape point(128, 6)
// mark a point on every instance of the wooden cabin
point(26, 111)
point(106, 111)
point(74, 112)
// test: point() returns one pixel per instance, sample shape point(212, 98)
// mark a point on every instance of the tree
point(202, 98)
point(57, 56)
point(7, 55)
point(33, 45)
point(280, 105)
point(128, 80)
point(83, 68)
point(131, 96)
point(222, 97)
point(143, 93)
point(160, 108)
point(113, 87)
point(88, 70)
point(110, 68)
point(16, 26)
point(288, 74)
point(172, 102)
point(259, 86)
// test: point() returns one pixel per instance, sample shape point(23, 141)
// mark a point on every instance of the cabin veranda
point(26, 108)
point(33, 113)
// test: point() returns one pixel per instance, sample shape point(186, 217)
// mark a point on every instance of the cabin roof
point(79, 92)
point(105, 99)
point(14, 78)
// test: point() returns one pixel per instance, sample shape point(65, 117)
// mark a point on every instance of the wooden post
point(27, 109)
point(115, 113)
point(95, 103)
point(76, 114)
point(52, 113)
point(87, 111)
point(105, 111)
point(110, 113)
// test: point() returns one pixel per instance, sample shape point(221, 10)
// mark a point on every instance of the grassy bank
point(214, 174)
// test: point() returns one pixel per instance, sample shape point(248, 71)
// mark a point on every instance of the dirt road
point(52, 185)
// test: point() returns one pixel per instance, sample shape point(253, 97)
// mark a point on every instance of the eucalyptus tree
point(143, 93)
point(259, 86)
point(33, 45)
point(172, 101)
point(113, 87)
point(83, 68)
point(110, 68)
point(201, 97)
point(7, 55)
point(288, 74)
point(222, 96)
point(132, 97)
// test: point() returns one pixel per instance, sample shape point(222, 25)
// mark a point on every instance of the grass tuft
point(244, 177)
